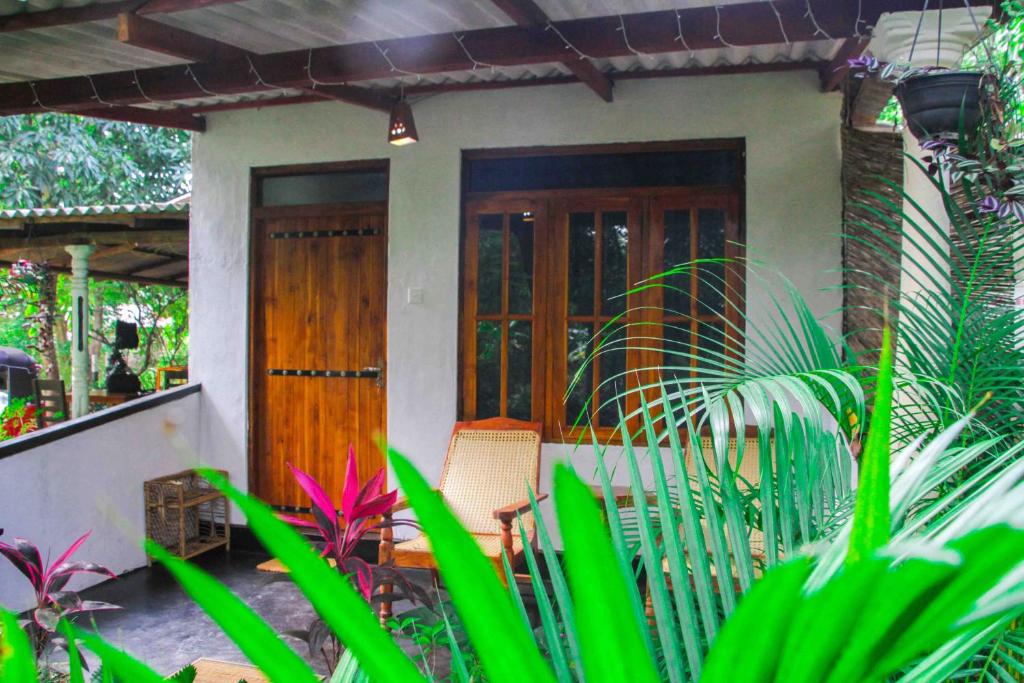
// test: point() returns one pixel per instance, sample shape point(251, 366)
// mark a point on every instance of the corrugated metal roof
point(265, 26)
point(174, 206)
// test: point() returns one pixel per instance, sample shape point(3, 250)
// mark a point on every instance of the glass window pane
point(579, 338)
point(581, 263)
point(325, 188)
point(520, 263)
point(520, 369)
point(614, 251)
point(676, 291)
point(488, 369)
point(711, 245)
point(687, 168)
point(677, 351)
point(711, 349)
point(489, 263)
point(613, 377)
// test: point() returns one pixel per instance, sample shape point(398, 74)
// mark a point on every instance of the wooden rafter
point(832, 75)
point(174, 281)
point(154, 265)
point(98, 238)
point(169, 40)
point(746, 24)
point(528, 13)
point(99, 11)
point(469, 86)
point(167, 118)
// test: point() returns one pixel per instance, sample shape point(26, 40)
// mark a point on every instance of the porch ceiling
point(164, 61)
point(145, 243)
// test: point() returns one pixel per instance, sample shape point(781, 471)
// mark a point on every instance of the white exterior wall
point(793, 217)
point(92, 480)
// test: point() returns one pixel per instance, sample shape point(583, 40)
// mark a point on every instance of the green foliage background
point(49, 160)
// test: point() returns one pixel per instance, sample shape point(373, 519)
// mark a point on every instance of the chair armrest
point(509, 512)
point(402, 504)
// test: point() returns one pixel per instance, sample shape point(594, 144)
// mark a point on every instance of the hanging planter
point(943, 102)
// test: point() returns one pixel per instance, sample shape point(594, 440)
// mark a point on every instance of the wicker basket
point(186, 515)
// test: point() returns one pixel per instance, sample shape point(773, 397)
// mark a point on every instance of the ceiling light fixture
point(402, 129)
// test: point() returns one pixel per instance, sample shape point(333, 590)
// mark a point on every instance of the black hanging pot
point(936, 103)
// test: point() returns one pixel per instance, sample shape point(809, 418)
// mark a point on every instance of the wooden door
point(317, 363)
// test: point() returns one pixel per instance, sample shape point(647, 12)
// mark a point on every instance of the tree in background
point(28, 319)
point(64, 160)
point(50, 160)
point(162, 316)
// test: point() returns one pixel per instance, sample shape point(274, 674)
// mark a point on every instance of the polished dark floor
point(159, 623)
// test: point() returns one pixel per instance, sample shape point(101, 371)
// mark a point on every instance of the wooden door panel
point(319, 300)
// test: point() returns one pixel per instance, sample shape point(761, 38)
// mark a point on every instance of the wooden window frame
point(551, 270)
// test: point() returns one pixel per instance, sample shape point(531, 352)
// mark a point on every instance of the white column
point(896, 35)
point(912, 39)
point(79, 327)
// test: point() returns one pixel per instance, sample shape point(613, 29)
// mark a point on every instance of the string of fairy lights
point(404, 74)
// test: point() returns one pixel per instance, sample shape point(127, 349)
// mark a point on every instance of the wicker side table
point(186, 515)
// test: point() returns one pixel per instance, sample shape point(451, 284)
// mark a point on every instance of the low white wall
point(54, 493)
point(793, 215)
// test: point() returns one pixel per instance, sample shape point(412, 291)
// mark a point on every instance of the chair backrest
point(490, 464)
point(171, 376)
point(51, 402)
point(749, 467)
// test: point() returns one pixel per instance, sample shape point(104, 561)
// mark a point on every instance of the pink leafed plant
point(342, 529)
point(48, 581)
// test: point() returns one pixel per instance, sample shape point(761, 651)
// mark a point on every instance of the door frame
point(257, 213)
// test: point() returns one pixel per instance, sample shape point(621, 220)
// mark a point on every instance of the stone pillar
point(79, 327)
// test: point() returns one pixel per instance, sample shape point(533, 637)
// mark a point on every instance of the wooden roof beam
point(150, 237)
point(832, 75)
point(528, 13)
point(165, 118)
point(746, 24)
point(99, 11)
point(428, 88)
point(175, 281)
point(169, 40)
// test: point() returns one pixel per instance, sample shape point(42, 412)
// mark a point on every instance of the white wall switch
point(415, 295)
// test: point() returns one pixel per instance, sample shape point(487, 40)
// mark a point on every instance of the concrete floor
point(159, 623)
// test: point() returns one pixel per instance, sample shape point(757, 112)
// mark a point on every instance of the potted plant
point(936, 101)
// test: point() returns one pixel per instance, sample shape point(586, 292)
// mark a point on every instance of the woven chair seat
point(417, 550)
point(490, 469)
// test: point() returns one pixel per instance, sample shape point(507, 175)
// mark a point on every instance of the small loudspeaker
point(126, 335)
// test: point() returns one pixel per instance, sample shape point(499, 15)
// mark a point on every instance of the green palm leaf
point(332, 596)
point(506, 648)
point(247, 629)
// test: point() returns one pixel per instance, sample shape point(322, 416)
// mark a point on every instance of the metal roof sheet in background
point(179, 205)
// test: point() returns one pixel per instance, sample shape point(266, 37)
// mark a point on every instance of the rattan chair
point(750, 470)
point(51, 402)
point(489, 469)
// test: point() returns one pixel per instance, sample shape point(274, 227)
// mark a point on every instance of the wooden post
point(384, 556)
